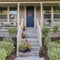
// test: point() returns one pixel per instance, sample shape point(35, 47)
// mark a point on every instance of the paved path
point(29, 58)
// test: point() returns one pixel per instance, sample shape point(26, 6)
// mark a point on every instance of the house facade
point(12, 12)
point(29, 13)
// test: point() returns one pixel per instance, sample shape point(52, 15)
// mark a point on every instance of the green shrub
point(53, 51)
point(7, 46)
point(55, 28)
point(10, 40)
point(45, 31)
point(3, 54)
point(12, 30)
point(58, 41)
point(47, 39)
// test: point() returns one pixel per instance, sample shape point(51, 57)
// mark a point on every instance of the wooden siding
point(25, 0)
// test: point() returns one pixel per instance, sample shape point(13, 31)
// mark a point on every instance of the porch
point(11, 15)
point(48, 14)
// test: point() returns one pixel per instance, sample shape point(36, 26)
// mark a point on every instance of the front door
point(30, 16)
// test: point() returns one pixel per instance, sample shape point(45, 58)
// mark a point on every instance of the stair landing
point(30, 58)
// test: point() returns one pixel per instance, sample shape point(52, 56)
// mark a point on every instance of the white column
point(35, 22)
point(41, 21)
point(18, 14)
point(51, 16)
point(18, 23)
point(8, 14)
point(25, 15)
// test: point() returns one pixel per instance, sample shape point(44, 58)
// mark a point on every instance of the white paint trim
point(8, 14)
point(35, 17)
point(25, 14)
point(31, 2)
point(41, 15)
point(18, 22)
point(52, 16)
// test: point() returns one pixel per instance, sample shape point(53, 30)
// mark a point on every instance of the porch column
point(51, 16)
point(18, 13)
point(41, 21)
point(8, 14)
point(18, 23)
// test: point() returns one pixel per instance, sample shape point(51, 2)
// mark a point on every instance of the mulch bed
point(11, 57)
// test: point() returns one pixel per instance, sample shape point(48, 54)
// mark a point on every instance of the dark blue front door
point(30, 16)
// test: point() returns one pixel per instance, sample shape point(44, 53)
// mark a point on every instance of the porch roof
point(25, 0)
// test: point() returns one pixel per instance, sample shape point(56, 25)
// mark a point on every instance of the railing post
point(18, 42)
point(40, 36)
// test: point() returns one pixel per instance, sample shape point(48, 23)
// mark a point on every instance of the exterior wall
point(25, 0)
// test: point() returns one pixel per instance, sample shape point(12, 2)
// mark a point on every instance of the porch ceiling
point(25, 0)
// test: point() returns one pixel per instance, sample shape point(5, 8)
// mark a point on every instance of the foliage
point(53, 51)
point(12, 30)
point(24, 45)
point(47, 39)
point(58, 41)
point(45, 31)
point(8, 40)
point(55, 28)
point(7, 46)
point(3, 54)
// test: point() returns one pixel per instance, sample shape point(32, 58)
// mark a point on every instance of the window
point(3, 12)
point(56, 13)
point(47, 15)
point(13, 13)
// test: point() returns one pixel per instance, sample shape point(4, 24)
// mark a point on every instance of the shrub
point(47, 39)
point(45, 31)
point(55, 28)
point(7, 46)
point(53, 51)
point(58, 41)
point(9, 40)
point(12, 30)
point(3, 54)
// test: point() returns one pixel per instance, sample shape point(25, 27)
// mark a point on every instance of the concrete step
point(30, 58)
point(31, 40)
point(32, 53)
point(35, 48)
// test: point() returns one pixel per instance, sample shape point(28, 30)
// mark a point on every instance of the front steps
point(32, 37)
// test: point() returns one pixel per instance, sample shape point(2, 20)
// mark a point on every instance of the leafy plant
point(55, 28)
point(45, 31)
point(3, 54)
point(25, 46)
point(9, 40)
point(53, 51)
point(12, 30)
point(7, 46)
point(47, 39)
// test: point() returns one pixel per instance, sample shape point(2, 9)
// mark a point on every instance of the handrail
point(19, 34)
point(39, 33)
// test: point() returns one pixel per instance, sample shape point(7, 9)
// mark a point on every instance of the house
point(29, 13)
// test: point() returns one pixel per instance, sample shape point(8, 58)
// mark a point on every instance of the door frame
point(34, 16)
